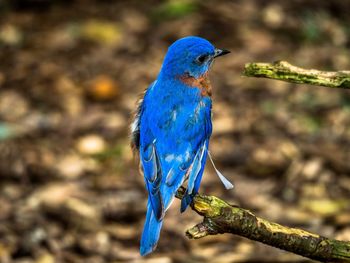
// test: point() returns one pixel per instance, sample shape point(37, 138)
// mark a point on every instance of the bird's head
point(191, 56)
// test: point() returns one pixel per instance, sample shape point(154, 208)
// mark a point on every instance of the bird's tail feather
point(151, 232)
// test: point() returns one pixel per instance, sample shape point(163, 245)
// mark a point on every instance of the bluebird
point(171, 131)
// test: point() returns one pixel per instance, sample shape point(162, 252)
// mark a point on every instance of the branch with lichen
point(221, 217)
point(282, 70)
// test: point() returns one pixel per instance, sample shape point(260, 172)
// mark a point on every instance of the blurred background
point(70, 74)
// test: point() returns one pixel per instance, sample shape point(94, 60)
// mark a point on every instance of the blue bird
point(171, 130)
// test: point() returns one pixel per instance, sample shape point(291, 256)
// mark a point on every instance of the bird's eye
point(201, 59)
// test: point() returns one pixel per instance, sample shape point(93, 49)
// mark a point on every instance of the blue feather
point(151, 232)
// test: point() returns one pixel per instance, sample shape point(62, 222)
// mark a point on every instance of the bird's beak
point(220, 52)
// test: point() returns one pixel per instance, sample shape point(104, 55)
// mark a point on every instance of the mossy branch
point(221, 217)
point(282, 70)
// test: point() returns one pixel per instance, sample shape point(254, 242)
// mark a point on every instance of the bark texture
point(221, 217)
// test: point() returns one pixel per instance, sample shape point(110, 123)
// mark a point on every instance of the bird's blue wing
point(195, 172)
point(153, 177)
point(149, 158)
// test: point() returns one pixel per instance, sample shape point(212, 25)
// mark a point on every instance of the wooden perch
point(282, 70)
point(220, 217)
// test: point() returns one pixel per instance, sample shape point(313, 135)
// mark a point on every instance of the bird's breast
point(202, 83)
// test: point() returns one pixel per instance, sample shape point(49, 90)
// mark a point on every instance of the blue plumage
point(172, 128)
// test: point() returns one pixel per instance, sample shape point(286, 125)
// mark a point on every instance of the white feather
point(228, 185)
point(135, 124)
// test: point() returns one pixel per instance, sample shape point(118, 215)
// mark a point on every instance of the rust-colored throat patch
point(203, 83)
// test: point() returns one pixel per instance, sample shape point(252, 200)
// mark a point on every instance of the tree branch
point(220, 217)
point(282, 70)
